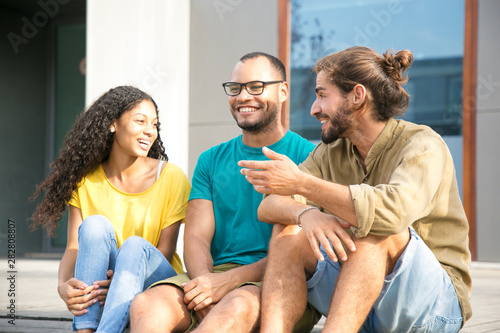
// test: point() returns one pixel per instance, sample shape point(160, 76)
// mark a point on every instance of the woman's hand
point(104, 287)
point(78, 296)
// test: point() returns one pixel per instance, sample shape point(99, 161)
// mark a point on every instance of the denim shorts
point(417, 296)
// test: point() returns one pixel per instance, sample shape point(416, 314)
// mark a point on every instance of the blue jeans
point(417, 296)
point(136, 266)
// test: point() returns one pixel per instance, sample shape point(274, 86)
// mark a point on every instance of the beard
point(339, 123)
point(264, 122)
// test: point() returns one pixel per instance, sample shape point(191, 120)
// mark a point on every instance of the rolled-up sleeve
point(408, 195)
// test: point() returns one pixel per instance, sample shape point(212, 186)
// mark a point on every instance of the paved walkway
point(38, 307)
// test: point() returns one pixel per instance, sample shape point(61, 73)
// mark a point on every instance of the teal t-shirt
point(239, 236)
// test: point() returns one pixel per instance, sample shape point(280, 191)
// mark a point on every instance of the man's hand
point(277, 176)
point(321, 228)
point(205, 290)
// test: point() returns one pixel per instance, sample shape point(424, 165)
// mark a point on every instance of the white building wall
point(180, 52)
point(487, 132)
point(144, 44)
point(222, 31)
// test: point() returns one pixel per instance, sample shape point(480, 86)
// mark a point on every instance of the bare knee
point(386, 244)
point(138, 303)
point(289, 244)
point(159, 309)
point(145, 303)
point(287, 238)
point(383, 248)
point(244, 302)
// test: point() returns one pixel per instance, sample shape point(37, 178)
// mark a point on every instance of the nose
point(244, 95)
point(315, 109)
point(150, 130)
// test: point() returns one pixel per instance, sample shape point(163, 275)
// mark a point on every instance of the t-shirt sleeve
point(307, 148)
point(75, 199)
point(202, 180)
point(177, 197)
point(312, 165)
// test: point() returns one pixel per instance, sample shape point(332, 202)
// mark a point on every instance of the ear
point(284, 91)
point(359, 94)
point(112, 128)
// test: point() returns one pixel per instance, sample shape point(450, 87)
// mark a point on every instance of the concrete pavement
point(38, 307)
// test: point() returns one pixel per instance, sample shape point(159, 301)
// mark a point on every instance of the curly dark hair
point(85, 147)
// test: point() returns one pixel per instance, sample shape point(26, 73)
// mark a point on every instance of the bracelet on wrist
point(297, 220)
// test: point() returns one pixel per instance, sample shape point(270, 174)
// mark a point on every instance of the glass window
point(432, 30)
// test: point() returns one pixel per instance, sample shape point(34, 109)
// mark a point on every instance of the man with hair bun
point(370, 229)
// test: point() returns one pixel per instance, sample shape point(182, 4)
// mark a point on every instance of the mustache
point(322, 115)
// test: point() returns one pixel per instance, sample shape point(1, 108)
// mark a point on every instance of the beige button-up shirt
point(409, 181)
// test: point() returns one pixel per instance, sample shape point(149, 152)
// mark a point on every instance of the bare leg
point(238, 311)
point(284, 293)
point(361, 279)
point(159, 309)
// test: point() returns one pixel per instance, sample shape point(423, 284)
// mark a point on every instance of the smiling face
point(136, 130)
point(333, 109)
point(256, 113)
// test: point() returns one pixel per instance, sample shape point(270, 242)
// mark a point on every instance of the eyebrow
point(318, 89)
point(145, 115)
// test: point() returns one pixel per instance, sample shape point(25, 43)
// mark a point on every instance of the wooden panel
point(284, 40)
point(469, 120)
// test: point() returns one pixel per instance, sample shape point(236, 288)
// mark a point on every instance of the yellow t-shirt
point(142, 214)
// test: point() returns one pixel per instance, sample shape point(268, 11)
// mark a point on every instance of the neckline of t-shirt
point(258, 150)
point(101, 169)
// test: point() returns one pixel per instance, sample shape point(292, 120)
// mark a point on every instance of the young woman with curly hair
point(126, 204)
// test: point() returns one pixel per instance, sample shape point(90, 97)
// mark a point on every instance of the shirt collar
point(380, 144)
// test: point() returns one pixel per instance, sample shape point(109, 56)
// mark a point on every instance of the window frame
point(468, 102)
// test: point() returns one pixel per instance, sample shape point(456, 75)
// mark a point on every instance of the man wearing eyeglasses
point(225, 246)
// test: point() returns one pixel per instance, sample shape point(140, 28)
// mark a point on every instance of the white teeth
point(323, 121)
point(247, 109)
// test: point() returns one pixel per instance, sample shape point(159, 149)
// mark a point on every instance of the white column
point(144, 44)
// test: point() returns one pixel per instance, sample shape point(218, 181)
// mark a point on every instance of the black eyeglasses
point(253, 87)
